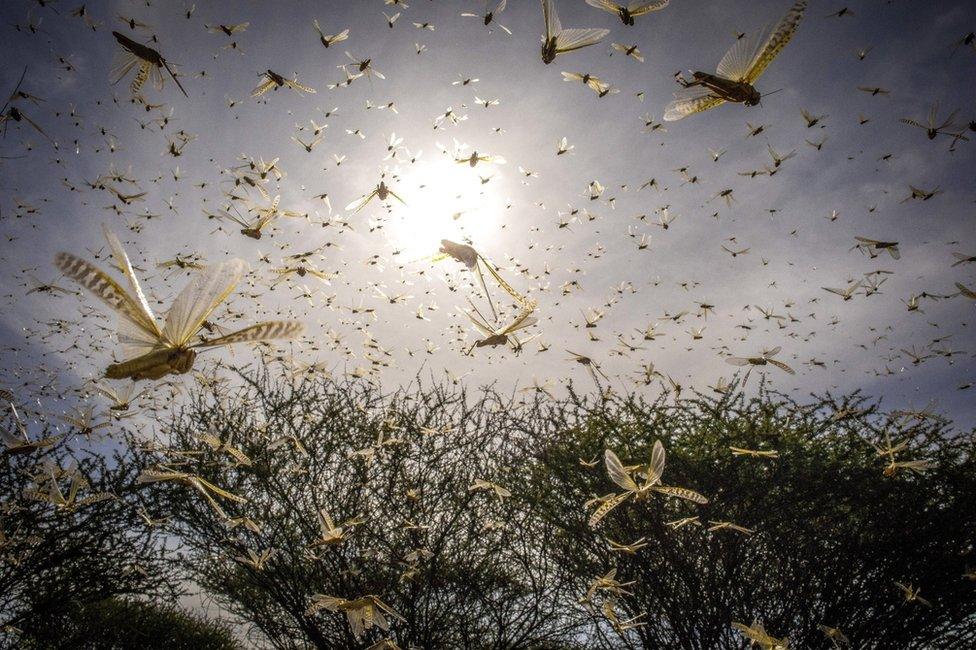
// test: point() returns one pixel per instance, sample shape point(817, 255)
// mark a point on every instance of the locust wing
point(199, 298)
point(578, 38)
point(776, 41)
point(137, 333)
point(604, 509)
point(655, 468)
point(553, 26)
point(263, 87)
point(681, 493)
point(617, 473)
point(643, 8)
point(260, 332)
point(689, 101)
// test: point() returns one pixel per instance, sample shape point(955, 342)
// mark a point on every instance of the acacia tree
point(833, 533)
point(462, 567)
point(54, 558)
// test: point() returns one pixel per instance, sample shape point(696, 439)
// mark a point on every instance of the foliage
point(53, 558)
point(833, 534)
point(116, 623)
point(461, 566)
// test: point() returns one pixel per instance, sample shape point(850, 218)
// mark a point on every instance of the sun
point(445, 200)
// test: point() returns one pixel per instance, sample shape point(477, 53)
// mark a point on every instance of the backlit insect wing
point(644, 8)
point(681, 493)
point(479, 321)
point(124, 63)
point(138, 331)
point(689, 101)
point(781, 366)
point(618, 474)
point(361, 202)
point(300, 87)
point(518, 297)
point(156, 76)
point(578, 38)
point(737, 361)
point(396, 196)
point(750, 56)
point(522, 320)
point(260, 332)
point(199, 298)
point(553, 26)
point(634, 8)
point(484, 287)
point(655, 468)
point(125, 265)
point(567, 40)
point(776, 41)
point(266, 84)
point(605, 507)
point(148, 335)
point(605, 5)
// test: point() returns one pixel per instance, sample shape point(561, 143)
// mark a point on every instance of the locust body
point(154, 365)
point(739, 92)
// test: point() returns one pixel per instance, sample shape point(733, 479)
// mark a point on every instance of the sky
point(547, 236)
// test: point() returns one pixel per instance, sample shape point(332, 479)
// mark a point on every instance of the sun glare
point(445, 200)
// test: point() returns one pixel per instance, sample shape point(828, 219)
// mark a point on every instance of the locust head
point(181, 360)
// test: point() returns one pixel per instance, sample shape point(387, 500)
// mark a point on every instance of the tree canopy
point(329, 513)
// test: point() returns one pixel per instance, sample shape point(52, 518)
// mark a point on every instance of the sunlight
point(445, 200)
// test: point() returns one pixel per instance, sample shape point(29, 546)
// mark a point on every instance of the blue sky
point(862, 172)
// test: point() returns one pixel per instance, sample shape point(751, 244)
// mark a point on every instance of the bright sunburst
point(446, 200)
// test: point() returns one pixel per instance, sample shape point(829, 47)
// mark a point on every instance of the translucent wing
point(643, 8)
point(519, 298)
point(689, 101)
point(294, 85)
point(574, 39)
point(776, 41)
point(617, 472)
point(737, 361)
point(656, 467)
point(606, 507)
point(123, 65)
point(209, 288)
point(737, 61)
point(553, 27)
point(782, 366)
point(681, 493)
point(479, 320)
point(263, 87)
point(773, 352)
point(522, 320)
point(123, 262)
point(156, 76)
point(605, 5)
point(281, 329)
point(138, 332)
point(361, 202)
point(140, 79)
